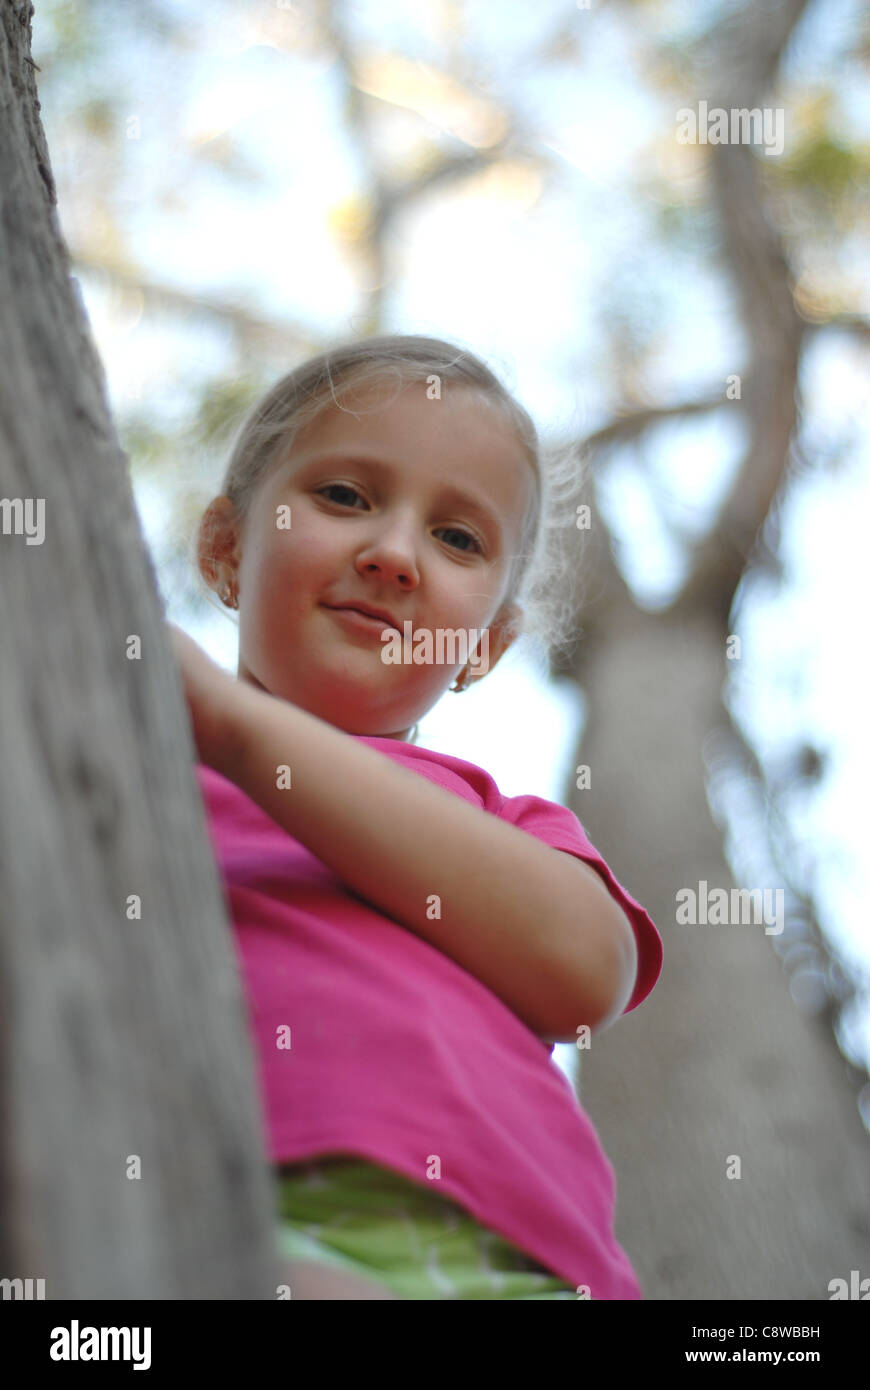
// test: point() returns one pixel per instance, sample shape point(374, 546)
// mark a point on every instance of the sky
point(523, 266)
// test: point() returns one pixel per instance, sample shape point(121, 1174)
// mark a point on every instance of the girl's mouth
point(361, 623)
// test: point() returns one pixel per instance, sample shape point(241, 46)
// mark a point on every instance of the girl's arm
point(536, 925)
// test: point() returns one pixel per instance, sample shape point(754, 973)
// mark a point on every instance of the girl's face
point(414, 508)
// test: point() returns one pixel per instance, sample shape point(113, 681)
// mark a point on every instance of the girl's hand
point(210, 692)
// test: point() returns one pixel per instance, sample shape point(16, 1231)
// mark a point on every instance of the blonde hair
point(541, 577)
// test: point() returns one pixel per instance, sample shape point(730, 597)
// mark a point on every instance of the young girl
point(412, 942)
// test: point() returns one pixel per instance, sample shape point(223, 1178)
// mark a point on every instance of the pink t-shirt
point(371, 1042)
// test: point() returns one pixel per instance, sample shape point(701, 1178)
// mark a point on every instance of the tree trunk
point(718, 1061)
point(131, 1162)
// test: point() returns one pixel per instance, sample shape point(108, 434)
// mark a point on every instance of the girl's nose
point(392, 555)
point(391, 567)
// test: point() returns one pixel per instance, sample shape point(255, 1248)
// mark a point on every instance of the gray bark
point(718, 1061)
point(123, 1038)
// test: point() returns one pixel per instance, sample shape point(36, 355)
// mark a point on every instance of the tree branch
point(636, 422)
point(249, 328)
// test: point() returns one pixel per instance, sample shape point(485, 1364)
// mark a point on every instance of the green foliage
point(222, 405)
point(826, 165)
point(142, 439)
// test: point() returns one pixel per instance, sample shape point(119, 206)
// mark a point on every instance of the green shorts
point(354, 1215)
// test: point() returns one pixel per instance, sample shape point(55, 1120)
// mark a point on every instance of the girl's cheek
point(295, 539)
point(316, 545)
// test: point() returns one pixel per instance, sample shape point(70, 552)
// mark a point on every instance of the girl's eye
point(339, 487)
point(450, 530)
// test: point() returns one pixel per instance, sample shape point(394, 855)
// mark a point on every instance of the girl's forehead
point(383, 422)
point(391, 426)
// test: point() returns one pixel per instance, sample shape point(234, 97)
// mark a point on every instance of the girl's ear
point(217, 541)
point(503, 632)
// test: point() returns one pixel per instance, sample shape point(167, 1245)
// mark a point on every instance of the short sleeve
point(558, 826)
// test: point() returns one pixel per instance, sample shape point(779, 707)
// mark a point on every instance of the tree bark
point(131, 1162)
point(718, 1061)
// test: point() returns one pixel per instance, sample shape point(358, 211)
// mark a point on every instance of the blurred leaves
point(222, 405)
point(827, 166)
point(146, 444)
point(415, 112)
point(351, 219)
point(216, 413)
point(436, 96)
point(223, 152)
point(99, 118)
